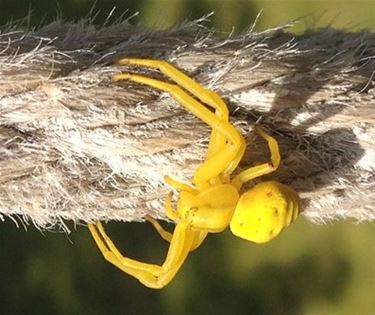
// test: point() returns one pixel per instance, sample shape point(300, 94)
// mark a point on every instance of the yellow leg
point(151, 275)
point(220, 161)
point(162, 232)
point(178, 185)
point(261, 169)
point(272, 144)
point(198, 237)
point(207, 96)
point(169, 211)
point(110, 251)
point(217, 140)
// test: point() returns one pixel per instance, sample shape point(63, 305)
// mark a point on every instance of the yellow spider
point(213, 202)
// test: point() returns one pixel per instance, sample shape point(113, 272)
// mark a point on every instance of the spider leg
point(212, 99)
point(169, 211)
point(206, 96)
point(178, 185)
point(218, 163)
point(198, 238)
point(151, 275)
point(261, 169)
point(112, 254)
point(162, 232)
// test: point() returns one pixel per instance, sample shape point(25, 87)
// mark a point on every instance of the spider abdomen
point(264, 211)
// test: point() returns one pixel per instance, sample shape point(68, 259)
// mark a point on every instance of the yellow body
point(263, 211)
point(213, 201)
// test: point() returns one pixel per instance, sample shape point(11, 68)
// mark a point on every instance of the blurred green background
point(353, 14)
point(309, 269)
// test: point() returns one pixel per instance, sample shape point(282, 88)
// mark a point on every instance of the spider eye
point(263, 211)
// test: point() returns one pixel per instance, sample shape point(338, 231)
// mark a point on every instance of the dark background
point(309, 269)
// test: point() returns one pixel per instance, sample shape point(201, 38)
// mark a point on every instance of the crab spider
point(213, 201)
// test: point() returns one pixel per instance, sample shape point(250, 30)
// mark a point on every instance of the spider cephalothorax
point(213, 201)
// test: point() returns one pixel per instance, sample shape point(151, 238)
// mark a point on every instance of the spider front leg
point(206, 96)
point(222, 160)
point(151, 275)
point(217, 140)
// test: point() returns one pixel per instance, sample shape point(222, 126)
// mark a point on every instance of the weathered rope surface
point(76, 146)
